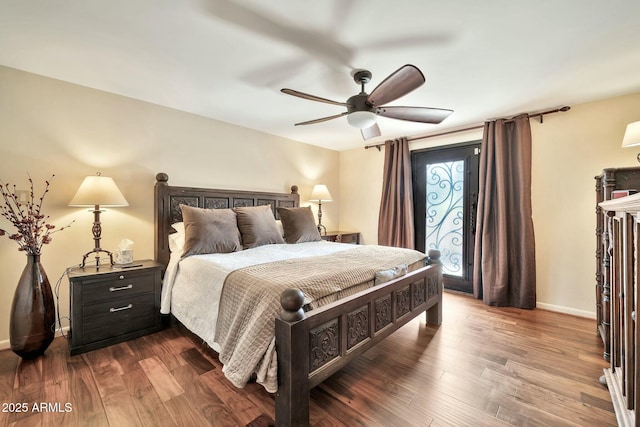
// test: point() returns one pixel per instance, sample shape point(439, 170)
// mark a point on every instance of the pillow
point(176, 240)
point(257, 226)
point(178, 226)
point(384, 276)
point(299, 225)
point(209, 231)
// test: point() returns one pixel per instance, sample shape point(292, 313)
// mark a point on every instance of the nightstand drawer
point(117, 317)
point(117, 286)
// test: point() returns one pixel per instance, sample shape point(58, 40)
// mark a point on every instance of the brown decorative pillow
point(257, 226)
point(209, 231)
point(299, 225)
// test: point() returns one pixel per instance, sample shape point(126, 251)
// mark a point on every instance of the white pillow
point(179, 227)
point(384, 276)
point(280, 227)
point(176, 240)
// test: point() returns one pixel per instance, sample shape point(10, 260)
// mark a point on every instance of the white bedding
point(197, 278)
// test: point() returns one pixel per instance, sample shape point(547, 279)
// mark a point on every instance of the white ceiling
point(228, 59)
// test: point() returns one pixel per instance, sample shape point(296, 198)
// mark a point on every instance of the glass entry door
point(445, 187)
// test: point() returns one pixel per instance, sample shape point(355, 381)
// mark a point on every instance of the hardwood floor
point(485, 366)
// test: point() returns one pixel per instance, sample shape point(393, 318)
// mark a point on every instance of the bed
point(313, 333)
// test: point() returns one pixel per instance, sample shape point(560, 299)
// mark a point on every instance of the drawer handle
point(113, 310)
point(121, 277)
point(122, 288)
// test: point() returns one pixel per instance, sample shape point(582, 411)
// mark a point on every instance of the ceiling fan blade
point(370, 132)
point(311, 97)
point(399, 83)
point(324, 119)
point(415, 114)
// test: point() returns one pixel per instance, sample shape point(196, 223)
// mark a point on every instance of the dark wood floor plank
point(197, 361)
point(183, 414)
point(85, 397)
point(163, 382)
point(163, 351)
point(233, 398)
point(27, 389)
point(8, 370)
point(126, 357)
point(206, 401)
point(107, 374)
point(342, 414)
point(150, 409)
point(59, 410)
point(31, 420)
point(264, 402)
point(54, 362)
point(28, 374)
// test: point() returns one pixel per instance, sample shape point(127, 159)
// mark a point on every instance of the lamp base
point(96, 251)
point(322, 227)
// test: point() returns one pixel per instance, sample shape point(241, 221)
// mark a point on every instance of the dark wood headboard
point(167, 201)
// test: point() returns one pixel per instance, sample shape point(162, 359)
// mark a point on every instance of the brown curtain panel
point(395, 222)
point(504, 261)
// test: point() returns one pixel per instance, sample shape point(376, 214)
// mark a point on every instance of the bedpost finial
point(294, 189)
point(162, 178)
point(434, 256)
point(291, 301)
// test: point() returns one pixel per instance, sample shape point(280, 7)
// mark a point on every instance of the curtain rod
point(539, 114)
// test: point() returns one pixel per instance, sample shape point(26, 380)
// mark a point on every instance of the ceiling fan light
point(361, 119)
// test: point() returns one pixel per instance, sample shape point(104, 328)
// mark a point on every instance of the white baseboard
point(566, 310)
point(6, 345)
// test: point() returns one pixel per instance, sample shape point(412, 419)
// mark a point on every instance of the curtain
point(395, 222)
point(504, 261)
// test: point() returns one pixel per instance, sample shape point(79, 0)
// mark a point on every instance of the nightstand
point(342, 237)
point(114, 304)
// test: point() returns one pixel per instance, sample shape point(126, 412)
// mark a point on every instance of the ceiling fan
point(363, 108)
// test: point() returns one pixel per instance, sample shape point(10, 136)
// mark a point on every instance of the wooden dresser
point(622, 249)
point(610, 180)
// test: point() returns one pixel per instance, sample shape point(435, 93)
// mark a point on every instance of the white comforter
point(192, 286)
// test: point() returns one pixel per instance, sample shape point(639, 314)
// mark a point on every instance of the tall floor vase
point(33, 311)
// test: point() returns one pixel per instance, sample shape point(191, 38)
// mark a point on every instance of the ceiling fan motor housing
point(359, 103)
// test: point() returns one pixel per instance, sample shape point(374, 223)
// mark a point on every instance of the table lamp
point(96, 191)
point(320, 194)
point(632, 136)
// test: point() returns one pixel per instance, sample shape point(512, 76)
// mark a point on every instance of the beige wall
point(569, 149)
point(48, 126)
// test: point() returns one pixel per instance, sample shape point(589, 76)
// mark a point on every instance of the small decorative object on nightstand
point(112, 304)
point(342, 237)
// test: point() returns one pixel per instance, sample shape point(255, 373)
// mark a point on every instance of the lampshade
point(361, 119)
point(631, 135)
point(98, 190)
point(320, 193)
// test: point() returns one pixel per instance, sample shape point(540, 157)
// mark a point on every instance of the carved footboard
point(312, 346)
